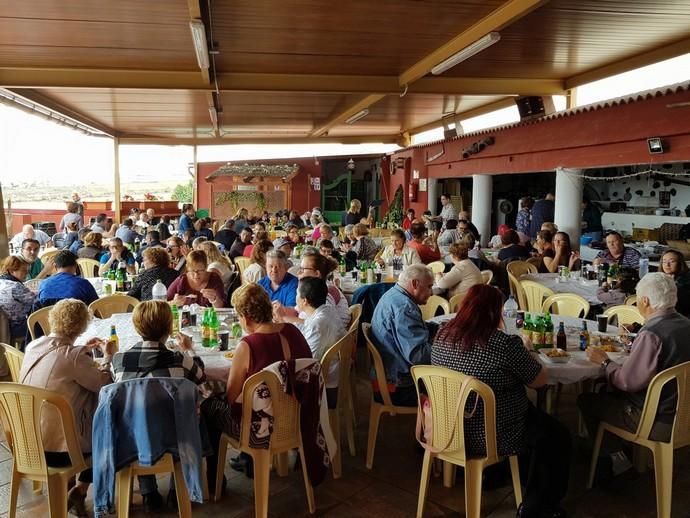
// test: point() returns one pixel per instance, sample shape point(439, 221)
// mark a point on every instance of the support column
point(568, 205)
point(482, 193)
point(117, 204)
point(432, 195)
point(195, 180)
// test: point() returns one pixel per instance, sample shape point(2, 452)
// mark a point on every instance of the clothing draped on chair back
point(141, 420)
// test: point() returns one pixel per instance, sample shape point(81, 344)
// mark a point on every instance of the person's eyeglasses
point(302, 268)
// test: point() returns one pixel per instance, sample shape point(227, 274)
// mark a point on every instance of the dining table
point(573, 284)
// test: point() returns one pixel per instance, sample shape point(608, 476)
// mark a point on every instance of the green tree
point(183, 192)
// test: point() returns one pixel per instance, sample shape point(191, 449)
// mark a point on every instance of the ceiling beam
point(467, 114)
point(673, 50)
point(506, 14)
point(181, 141)
point(45, 101)
point(247, 82)
point(342, 115)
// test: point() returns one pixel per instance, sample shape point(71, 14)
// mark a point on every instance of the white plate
point(555, 359)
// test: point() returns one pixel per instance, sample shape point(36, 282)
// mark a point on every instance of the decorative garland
point(237, 197)
point(635, 174)
point(256, 170)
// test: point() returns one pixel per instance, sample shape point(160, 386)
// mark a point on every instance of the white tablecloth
point(583, 288)
point(579, 368)
point(127, 337)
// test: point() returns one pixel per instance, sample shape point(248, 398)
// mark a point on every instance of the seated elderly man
point(29, 232)
point(29, 253)
point(116, 254)
point(617, 253)
point(660, 344)
point(400, 334)
point(280, 285)
point(66, 284)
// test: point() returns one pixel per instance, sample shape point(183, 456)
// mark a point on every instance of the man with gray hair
point(662, 343)
point(400, 334)
point(280, 285)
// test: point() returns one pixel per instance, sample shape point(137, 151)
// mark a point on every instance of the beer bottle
point(584, 336)
point(114, 339)
point(561, 338)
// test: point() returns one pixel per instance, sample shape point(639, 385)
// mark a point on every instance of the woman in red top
point(408, 219)
point(197, 285)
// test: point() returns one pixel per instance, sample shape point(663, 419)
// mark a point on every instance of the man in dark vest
point(662, 343)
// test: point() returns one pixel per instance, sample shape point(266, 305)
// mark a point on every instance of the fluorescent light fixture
point(466, 53)
point(359, 115)
point(200, 44)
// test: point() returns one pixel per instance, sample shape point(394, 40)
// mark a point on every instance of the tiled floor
point(390, 489)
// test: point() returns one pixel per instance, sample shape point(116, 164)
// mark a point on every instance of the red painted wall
point(610, 136)
point(302, 197)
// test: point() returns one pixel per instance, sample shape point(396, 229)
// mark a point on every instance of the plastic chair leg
point(595, 456)
point(663, 475)
point(282, 464)
point(374, 416)
point(515, 475)
point(37, 487)
point(57, 497)
point(308, 488)
point(14, 491)
point(124, 491)
point(351, 398)
point(334, 418)
point(350, 423)
point(424, 483)
point(222, 454)
point(262, 477)
point(184, 505)
point(473, 488)
point(448, 474)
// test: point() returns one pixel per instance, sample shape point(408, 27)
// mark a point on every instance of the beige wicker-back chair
point(429, 309)
point(487, 276)
point(535, 294)
point(437, 267)
point(14, 358)
point(40, 318)
point(625, 314)
point(105, 307)
point(444, 387)
point(455, 302)
point(569, 304)
point(88, 268)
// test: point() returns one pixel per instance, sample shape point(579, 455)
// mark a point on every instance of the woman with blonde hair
point(365, 247)
point(217, 262)
point(93, 247)
point(197, 285)
point(257, 267)
point(354, 213)
point(463, 275)
point(53, 362)
point(16, 299)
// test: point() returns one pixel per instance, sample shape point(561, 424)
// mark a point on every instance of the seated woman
point(511, 247)
point(156, 265)
point(474, 253)
point(563, 255)
point(462, 276)
point(197, 285)
point(16, 299)
point(93, 247)
point(177, 250)
point(257, 266)
point(544, 248)
point(70, 236)
point(151, 358)
point(365, 247)
point(265, 343)
point(673, 263)
point(53, 362)
point(328, 248)
point(495, 242)
point(293, 234)
point(474, 344)
point(399, 249)
point(218, 263)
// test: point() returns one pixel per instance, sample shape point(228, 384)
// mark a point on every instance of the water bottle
point(510, 309)
point(644, 266)
point(159, 291)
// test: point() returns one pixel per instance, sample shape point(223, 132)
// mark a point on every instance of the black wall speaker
point(533, 107)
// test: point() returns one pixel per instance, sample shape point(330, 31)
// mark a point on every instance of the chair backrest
point(355, 315)
point(286, 424)
point(518, 268)
point(429, 309)
point(242, 263)
point(455, 301)
point(21, 406)
point(40, 318)
point(517, 291)
point(48, 255)
point(385, 241)
point(569, 304)
point(535, 294)
point(14, 358)
point(536, 262)
point(377, 361)
point(88, 268)
point(625, 314)
point(631, 300)
point(341, 352)
point(444, 387)
point(681, 425)
point(105, 307)
point(487, 276)
point(437, 267)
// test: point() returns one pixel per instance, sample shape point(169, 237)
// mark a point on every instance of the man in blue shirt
point(116, 253)
point(542, 211)
point(186, 219)
point(280, 285)
point(400, 334)
point(66, 284)
point(126, 234)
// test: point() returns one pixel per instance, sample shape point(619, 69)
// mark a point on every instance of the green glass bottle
point(205, 329)
point(175, 320)
point(548, 331)
point(214, 326)
point(538, 332)
point(527, 327)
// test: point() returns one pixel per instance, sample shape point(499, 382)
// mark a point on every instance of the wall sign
point(316, 183)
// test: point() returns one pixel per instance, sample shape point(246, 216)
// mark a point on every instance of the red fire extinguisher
point(412, 192)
